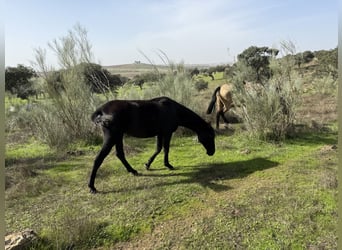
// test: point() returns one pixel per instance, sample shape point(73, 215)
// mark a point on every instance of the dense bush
point(327, 63)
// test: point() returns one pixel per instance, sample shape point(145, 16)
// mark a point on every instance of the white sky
point(193, 31)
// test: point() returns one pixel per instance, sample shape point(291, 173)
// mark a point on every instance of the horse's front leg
point(166, 144)
point(158, 149)
point(106, 148)
point(121, 155)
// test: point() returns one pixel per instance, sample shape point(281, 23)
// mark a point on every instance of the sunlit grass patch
point(28, 151)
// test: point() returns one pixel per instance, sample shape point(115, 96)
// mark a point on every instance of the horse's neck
point(190, 120)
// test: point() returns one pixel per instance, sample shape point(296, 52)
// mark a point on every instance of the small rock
point(245, 151)
point(20, 240)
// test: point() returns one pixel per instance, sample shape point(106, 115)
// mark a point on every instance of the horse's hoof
point(135, 173)
point(93, 190)
point(147, 166)
point(170, 167)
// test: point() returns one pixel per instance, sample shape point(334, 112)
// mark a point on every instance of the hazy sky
point(194, 31)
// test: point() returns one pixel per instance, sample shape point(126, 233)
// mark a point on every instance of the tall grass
point(325, 85)
point(65, 116)
point(176, 84)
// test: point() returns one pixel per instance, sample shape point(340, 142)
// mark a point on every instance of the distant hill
point(133, 69)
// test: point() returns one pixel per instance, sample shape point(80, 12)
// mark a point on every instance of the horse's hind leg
point(106, 148)
point(166, 144)
point(158, 149)
point(121, 155)
point(218, 114)
point(224, 117)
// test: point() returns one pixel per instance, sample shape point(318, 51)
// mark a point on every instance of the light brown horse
point(222, 97)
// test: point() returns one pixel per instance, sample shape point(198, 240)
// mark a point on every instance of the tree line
point(22, 80)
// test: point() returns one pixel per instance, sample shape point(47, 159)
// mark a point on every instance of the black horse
point(146, 118)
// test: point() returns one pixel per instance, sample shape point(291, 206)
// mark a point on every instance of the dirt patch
point(327, 149)
point(318, 109)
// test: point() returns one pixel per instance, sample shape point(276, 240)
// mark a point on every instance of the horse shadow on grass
point(207, 175)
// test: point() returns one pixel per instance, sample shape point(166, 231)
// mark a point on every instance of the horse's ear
point(244, 82)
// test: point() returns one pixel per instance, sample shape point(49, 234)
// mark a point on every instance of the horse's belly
point(142, 131)
point(142, 134)
point(150, 125)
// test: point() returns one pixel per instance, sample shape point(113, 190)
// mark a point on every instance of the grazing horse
point(222, 97)
point(146, 118)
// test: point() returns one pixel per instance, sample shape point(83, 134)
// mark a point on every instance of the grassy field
point(249, 195)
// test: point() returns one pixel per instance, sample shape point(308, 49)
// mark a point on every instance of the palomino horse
point(156, 117)
point(222, 97)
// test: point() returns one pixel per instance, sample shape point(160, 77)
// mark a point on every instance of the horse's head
point(207, 139)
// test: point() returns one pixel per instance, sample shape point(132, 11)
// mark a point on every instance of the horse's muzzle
point(210, 153)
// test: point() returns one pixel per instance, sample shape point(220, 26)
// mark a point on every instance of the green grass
point(249, 195)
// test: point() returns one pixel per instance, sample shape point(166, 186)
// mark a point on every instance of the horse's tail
point(213, 100)
point(100, 118)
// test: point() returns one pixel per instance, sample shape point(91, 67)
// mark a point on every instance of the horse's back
point(140, 118)
point(224, 97)
point(226, 90)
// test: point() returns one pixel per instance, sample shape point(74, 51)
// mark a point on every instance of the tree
point(18, 81)
point(99, 79)
point(140, 79)
point(305, 57)
point(308, 56)
point(194, 72)
point(258, 59)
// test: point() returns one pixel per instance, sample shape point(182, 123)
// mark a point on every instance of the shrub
point(268, 111)
point(201, 85)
